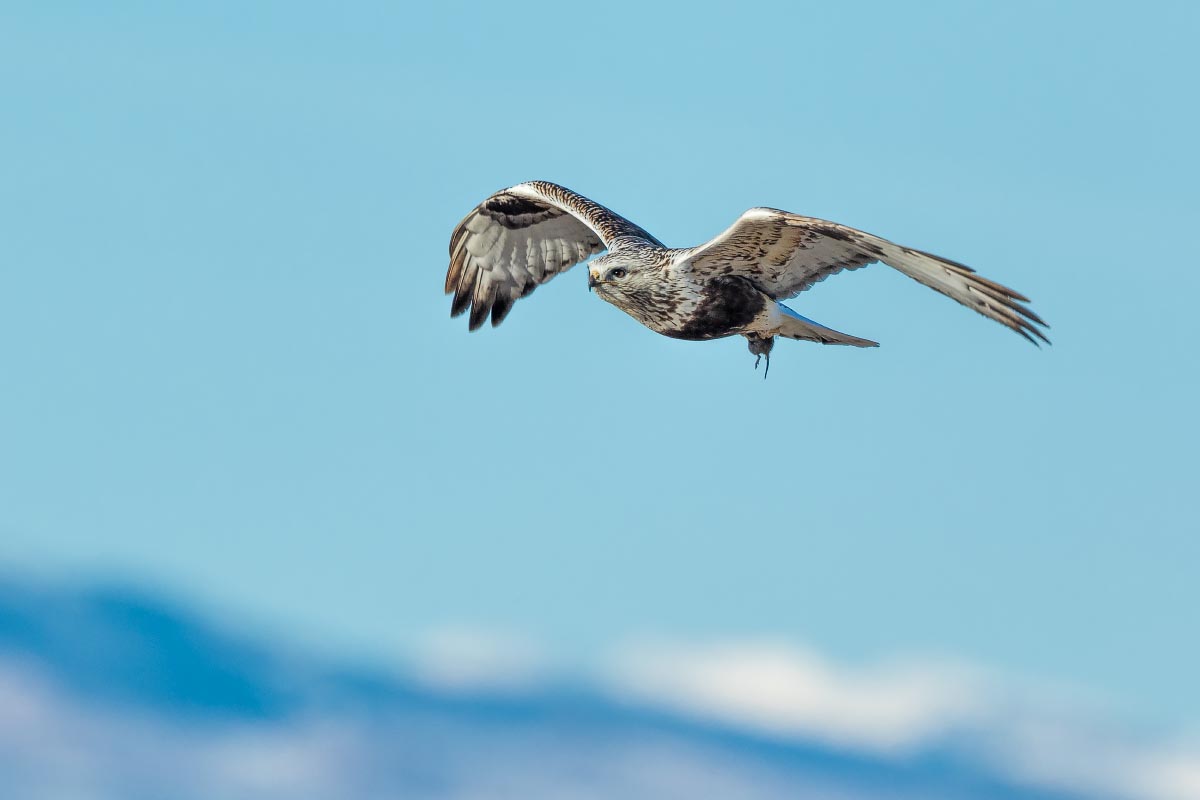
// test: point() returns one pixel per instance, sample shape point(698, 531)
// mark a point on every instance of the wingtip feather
point(501, 308)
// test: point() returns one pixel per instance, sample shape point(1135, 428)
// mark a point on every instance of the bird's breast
point(662, 307)
point(725, 306)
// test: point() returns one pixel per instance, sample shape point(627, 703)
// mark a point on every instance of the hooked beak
point(592, 282)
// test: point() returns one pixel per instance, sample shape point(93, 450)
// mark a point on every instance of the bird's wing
point(522, 237)
point(786, 253)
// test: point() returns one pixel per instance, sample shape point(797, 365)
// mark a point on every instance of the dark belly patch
point(728, 305)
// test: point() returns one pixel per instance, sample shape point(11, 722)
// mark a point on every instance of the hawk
point(522, 237)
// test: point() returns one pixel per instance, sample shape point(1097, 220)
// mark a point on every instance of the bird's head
point(617, 277)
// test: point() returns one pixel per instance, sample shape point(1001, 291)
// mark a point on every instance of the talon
point(760, 359)
point(767, 368)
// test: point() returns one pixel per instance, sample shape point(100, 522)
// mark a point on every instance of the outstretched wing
point(522, 237)
point(786, 253)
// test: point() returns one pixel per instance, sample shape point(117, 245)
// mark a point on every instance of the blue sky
point(229, 370)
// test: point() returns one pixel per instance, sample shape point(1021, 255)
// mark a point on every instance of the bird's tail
point(795, 326)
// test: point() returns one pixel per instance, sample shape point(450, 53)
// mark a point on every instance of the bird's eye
point(618, 273)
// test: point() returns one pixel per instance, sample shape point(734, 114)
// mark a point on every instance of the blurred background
point(272, 525)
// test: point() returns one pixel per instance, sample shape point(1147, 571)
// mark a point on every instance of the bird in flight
point(522, 237)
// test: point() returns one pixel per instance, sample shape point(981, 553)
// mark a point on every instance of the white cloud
point(1171, 774)
point(782, 689)
point(55, 745)
point(473, 659)
point(66, 747)
point(1081, 752)
point(896, 709)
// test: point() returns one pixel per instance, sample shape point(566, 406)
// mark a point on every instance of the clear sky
point(228, 368)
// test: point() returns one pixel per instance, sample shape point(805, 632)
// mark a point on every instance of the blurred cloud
point(476, 713)
point(53, 744)
point(1095, 755)
point(464, 658)
point(783, 689)
point(907, 707)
